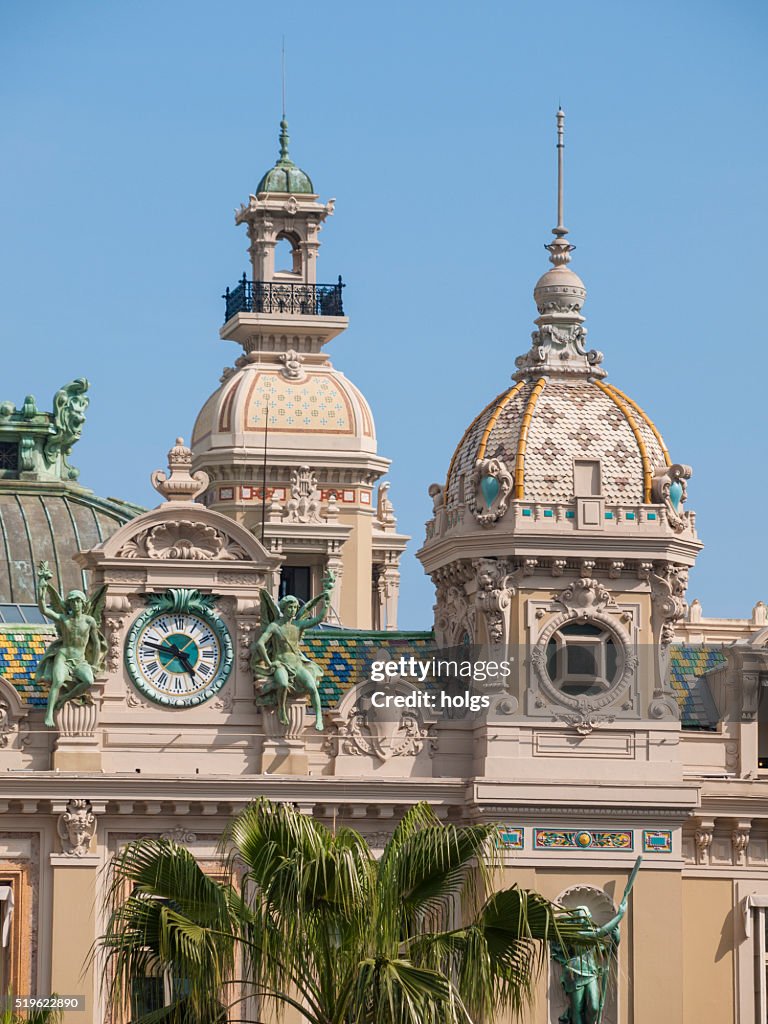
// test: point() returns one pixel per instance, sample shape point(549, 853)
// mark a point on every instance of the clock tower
point(287, 441)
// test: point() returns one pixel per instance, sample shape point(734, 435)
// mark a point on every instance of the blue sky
point(129, 132)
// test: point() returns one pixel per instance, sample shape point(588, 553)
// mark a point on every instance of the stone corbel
point(740, 840)
point(705, 829)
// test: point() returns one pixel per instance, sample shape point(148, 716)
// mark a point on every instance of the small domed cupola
point(285, 177)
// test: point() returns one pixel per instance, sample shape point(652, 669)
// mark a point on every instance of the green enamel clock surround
point(178, 651)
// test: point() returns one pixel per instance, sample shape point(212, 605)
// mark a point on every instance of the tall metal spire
point(284, 136)
point(559, 250)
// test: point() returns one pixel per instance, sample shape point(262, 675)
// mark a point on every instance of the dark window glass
point(9, 457)
point(552, 659)
point(582, 629)
point(582, 659)
point(295, 580)
point(611, 660)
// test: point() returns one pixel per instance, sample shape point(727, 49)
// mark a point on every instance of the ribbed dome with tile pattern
point(320, 403)
point(540, 425)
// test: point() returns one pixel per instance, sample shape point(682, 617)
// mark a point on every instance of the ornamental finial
point(560, 250)
point(180, 484)
point(284, 140)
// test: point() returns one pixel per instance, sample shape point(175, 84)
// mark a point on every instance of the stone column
point(378, 598)
point(391, 595)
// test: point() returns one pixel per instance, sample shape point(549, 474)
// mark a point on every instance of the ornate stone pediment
point(185, 540)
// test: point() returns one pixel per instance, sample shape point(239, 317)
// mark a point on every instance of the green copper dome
point(285, 176)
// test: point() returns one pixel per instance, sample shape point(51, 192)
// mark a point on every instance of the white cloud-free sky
point(129, 132)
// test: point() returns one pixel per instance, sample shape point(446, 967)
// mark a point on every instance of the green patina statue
point(585, 973)
point(69, 405)
point(276, 652)
point(72, 661)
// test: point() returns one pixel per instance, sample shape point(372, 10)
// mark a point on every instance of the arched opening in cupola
point(288, 257)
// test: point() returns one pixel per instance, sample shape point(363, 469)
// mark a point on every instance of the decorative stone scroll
point(490, 487)
point(668, 489)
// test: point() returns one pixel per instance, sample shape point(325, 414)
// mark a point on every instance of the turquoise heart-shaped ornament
point(675, 494)
point(489, 486)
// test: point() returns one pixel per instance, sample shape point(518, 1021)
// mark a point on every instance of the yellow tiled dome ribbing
point(537, 428)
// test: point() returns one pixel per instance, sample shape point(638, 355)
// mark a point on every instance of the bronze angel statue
point(71, 662)
point(276, 653)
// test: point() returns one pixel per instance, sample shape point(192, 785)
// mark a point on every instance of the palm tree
point(309, 918)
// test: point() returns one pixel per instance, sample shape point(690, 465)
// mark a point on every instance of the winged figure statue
point(77, 655)
point(276, 654)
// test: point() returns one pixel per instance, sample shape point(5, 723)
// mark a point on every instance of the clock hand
point(188, 667)
point(174, 651)
point(163, 648)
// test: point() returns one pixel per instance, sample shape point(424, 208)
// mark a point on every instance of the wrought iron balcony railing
point(283, 297)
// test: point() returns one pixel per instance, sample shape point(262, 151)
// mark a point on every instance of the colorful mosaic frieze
point(658, 841)
point(585, 839)
point(511, 838)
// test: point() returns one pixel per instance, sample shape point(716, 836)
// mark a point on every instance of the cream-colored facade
point(560, 540)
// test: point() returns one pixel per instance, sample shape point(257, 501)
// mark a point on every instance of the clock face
point(179, 659)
